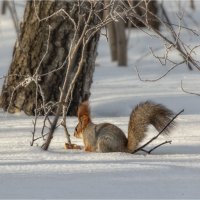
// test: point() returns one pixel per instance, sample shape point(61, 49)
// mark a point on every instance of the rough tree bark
point(37, 36)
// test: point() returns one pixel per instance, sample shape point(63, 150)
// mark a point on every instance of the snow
point(171, 171)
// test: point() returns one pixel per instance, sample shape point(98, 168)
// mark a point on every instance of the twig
point(188, 91)
point(174, 35)
point(183, 53)
point(166, 142)
point(63, 123)
point(154, 80)
point(154, 138)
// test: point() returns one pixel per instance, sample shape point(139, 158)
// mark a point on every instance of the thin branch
point(197, 94)
point(186, 56)
point(175, 36)
point(154, 148)
point(159, 78)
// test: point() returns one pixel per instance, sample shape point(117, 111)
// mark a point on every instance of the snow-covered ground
point(171, 171)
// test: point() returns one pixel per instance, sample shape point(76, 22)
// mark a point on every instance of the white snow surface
point(170, 172)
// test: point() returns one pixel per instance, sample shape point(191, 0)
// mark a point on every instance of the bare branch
point(163, 143)
point(184, 90)
point(159, 78)
point(175, 36)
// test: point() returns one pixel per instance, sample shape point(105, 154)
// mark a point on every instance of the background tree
point(117, 37)
point(40, 57)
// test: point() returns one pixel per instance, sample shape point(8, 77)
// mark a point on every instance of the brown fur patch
point(144, 114)
point(84, 109)
point(83, 118)
point(84, 114)
point(88, 148)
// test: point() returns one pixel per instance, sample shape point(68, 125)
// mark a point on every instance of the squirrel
point(106, 137)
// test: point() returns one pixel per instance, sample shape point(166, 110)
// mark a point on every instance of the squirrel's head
point(83, 119)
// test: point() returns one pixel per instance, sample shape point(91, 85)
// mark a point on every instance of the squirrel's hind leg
point(106, 144)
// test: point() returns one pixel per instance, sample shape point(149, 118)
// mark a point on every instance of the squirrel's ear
point(85, 120)
point(83, 109)
point(84, 114)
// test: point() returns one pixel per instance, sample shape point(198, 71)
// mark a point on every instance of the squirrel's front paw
point(72, 146)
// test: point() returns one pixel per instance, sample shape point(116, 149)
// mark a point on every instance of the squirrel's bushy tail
point(144, 114)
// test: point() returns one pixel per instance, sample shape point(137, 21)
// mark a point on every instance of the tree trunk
point(192, 4)
point(43, 47)
point(112, 38)
point(117, 35)
point(121, 43)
